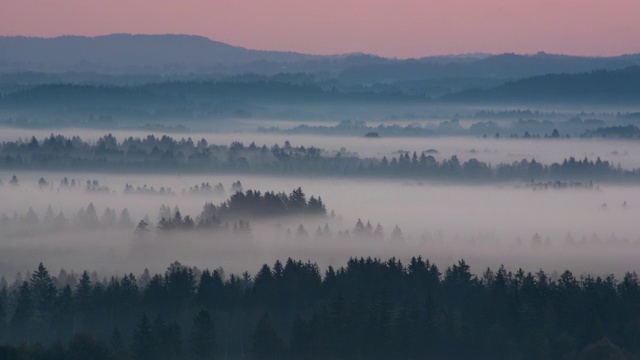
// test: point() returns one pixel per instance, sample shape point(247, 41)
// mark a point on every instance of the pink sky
point(394, 28)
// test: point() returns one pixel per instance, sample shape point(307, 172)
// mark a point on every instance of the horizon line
point(352, 53)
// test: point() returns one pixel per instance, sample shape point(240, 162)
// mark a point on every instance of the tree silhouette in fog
point(168, 154)
point(368, 308)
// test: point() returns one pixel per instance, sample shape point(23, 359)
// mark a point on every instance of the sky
point(392, 28)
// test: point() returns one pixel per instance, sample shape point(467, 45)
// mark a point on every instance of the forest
point(598, 86)
point(94, 100)
point(487, 126)
point(166, 154)
point(368, 308)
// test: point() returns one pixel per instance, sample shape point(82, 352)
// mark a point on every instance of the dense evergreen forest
point(368, 309)
point(599, 86)
point(98, 101)
point(199, 97)
point(165, 154)
point(194, 98)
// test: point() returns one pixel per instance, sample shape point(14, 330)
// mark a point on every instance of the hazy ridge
point(166, 54)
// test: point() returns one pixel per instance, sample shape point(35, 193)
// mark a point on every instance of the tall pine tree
point(203, 336)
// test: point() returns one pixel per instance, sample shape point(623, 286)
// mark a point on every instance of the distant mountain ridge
point(189, 54)
point(125, 50)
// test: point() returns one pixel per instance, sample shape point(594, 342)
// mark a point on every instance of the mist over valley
point(177, 197)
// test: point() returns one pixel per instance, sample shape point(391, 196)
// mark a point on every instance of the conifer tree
point(144, 344)
point(203, 336)
point(43, 289)
point(267, 344)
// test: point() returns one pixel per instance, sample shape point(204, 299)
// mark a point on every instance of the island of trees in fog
point(369, 309)
point(234, 213)
point(164, 154)
point(241, 207)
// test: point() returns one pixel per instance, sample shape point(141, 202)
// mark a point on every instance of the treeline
point(615, 132)
point(167, 154)
point(547, 185)
point(520, 128)
point(204, 188)
point(227, 219)
point(30, 223)
point(94, 186)
point(369, 309)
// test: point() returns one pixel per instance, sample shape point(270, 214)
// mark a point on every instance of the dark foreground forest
point(368, 309)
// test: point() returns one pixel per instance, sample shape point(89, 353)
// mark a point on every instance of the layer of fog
point(485, 225)
point(494, 151)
